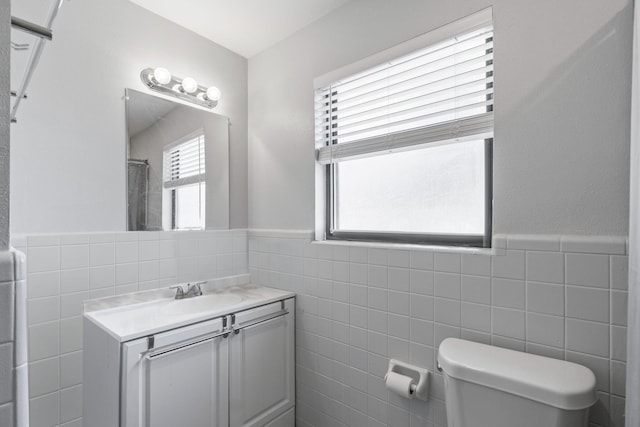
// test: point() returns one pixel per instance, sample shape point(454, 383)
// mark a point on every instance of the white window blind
point(184, 163)
point(440, 94)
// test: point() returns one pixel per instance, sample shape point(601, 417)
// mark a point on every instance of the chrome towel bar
point(31, 28)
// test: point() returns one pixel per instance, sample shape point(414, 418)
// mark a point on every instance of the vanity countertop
point(133, 317)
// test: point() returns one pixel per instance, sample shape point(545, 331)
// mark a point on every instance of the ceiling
point(143, 110)
point(246, 27)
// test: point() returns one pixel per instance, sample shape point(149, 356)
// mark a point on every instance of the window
point(405, 147)
point(184, 184)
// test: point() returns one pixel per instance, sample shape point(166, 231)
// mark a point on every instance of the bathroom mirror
point(177, 165)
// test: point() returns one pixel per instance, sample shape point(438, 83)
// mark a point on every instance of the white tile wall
point(65, 270)
point(11, 357)
point(7, 314)
point(558, 296)
point(6, 372)
point(6, 414)
point(358, 307)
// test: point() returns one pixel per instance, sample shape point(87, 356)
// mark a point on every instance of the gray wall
point(6, 260)
point(5, 13)
point(562, 72)
point(68, 162)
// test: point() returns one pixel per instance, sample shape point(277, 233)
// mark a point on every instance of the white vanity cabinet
point(233, 369)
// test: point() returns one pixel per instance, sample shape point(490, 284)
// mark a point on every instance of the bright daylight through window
point(406, 146)
point(184, 184)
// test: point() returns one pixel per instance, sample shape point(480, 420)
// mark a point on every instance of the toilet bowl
point(487, 386)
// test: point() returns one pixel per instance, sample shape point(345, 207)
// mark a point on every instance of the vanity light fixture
point(187, 89)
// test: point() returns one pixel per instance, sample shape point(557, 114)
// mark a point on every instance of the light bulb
point(189, 85)
point(162, 75)
point(213, 93)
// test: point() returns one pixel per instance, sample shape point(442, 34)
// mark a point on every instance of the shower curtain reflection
point(138, 194)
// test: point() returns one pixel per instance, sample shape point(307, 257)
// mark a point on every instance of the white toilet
point(488, 386)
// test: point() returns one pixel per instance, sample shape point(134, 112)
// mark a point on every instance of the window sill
point(410, 247)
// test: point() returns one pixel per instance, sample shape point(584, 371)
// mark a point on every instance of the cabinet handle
point(164, 351)
point(260, 319)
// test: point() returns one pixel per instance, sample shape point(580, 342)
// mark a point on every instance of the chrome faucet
point(193, 290)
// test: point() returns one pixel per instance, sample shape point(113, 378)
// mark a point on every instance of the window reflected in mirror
point(183, 172)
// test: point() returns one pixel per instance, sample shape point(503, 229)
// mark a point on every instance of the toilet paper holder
point(419, 375)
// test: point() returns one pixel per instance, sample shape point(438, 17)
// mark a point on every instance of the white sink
point(206, 302)
point(130, 317)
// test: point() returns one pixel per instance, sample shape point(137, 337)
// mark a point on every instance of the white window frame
point(474, 126)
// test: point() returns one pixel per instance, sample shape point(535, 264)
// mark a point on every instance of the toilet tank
point(487, 386)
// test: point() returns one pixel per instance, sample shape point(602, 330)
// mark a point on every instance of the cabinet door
point(186, 387)
point(261, 360)
point(176, 378)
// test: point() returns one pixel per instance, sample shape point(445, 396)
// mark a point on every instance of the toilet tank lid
point(554, 382)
